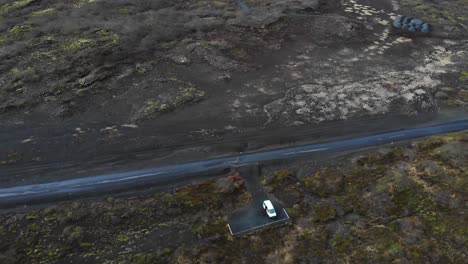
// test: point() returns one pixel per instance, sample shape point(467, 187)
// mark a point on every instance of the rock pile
point(412, 24)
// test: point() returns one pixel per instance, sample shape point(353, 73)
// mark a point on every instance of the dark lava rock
point(211, 256)
point(409, 154)
point(454, 153)
point(459, 240)
point(331, 28)
point(11, 104)
point(224, 185)
point(446, 199)
point(64, 110)
point(429, 167)
point(412, 228)
point(402, 168)
point(115, 220)
point(378, 204)
point(9, 256)
point(72, 234)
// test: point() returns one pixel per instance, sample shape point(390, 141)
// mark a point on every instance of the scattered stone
point(447, 89)
point(27, 140)
point(129, 125)
point(64, 110)
point(94, 76)
point(224, 77)
point(441, 95)
point(180, 59)
point(216, 59)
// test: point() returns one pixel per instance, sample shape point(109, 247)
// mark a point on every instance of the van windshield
point(271, 211)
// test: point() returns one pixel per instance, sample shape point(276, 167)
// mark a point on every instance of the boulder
point(180, 59)
point(398, 22)
point(441, 95)
point(412, 24)
point(407, 20)
point(416, 22)
point(426, 28)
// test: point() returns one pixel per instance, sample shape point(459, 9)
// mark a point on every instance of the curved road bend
point(52, 191)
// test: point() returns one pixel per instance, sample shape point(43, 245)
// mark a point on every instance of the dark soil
point(85, 80)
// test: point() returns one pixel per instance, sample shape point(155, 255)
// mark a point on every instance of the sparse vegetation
point(186, 94)
point(464, 76)
point(84, 79)
point(44, 12)
point(7, 8)
point(446, 12)
point(386, 210)
point(82, 230)
point(11, 157)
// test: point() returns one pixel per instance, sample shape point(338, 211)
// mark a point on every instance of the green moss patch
point(7, 8)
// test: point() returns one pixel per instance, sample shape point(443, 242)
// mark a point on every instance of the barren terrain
point(85, 80)
point(95, 86)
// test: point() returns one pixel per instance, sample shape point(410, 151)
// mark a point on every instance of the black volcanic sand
point(94, 86)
